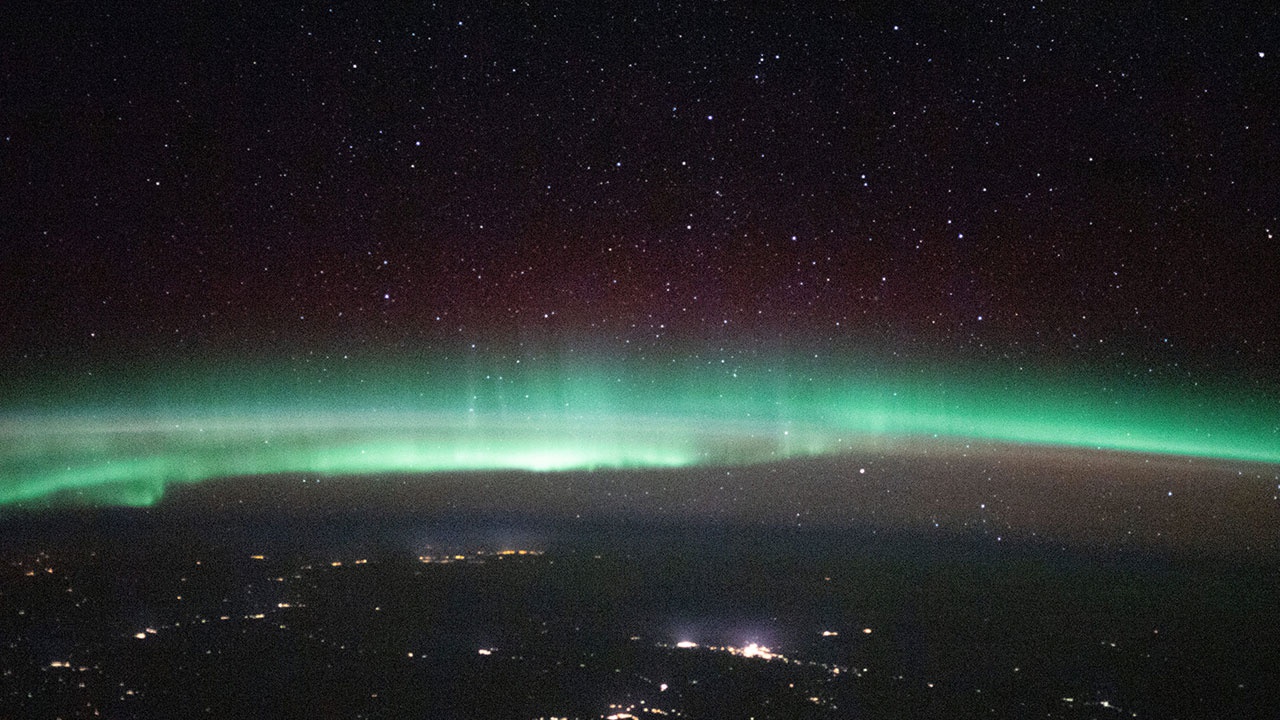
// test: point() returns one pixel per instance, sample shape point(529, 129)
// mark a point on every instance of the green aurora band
point(120, 440)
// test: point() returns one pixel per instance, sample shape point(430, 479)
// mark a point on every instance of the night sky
point(1062, 211)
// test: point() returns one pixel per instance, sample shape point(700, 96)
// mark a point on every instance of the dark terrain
point(963, 623)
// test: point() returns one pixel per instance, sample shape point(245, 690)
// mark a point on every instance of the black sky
point(1084, 184)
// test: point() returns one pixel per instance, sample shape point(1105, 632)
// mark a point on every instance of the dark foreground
point(161, 614)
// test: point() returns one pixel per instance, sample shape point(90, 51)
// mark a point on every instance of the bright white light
point(686, 644)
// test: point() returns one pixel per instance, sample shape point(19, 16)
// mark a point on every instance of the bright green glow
point(123, 441)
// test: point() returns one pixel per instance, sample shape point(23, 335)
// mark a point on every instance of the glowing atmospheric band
point(126, 449)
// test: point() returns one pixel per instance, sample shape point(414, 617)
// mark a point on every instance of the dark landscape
point(497, 598)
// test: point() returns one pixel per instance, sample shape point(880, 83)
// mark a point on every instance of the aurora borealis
point(332, 241)
point(407, 419)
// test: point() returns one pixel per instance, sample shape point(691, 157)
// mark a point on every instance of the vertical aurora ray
point(124, 440)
